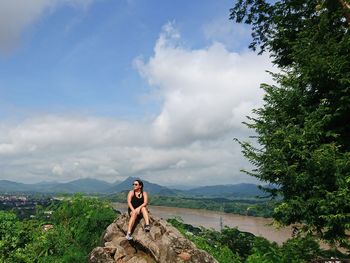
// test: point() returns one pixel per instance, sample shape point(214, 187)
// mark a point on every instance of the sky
point(109, 89)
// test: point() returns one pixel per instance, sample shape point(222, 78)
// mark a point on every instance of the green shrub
point(208, 241)
point(77, 227)
point(232, 245)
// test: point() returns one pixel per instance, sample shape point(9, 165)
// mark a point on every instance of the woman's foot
point(128, 236)
point(147, 228)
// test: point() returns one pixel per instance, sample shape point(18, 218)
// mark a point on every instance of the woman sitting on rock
point(137, 207)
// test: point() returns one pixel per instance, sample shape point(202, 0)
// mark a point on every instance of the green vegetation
point(303, 127)
point(78, 222)
point(77, 226)
point(242, 207)
point(233, 246)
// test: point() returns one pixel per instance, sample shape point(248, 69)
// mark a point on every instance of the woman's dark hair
point(140, 183)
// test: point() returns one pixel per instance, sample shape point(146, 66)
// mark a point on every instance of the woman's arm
point(130, 195)
point(145, 200)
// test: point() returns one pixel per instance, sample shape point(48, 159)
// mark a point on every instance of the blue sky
point(80, 58)
point(109, 89)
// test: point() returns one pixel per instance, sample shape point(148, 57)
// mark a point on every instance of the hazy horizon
point(179, 187)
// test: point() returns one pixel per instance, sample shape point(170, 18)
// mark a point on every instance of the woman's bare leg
point(145, 215)
point(131, 221)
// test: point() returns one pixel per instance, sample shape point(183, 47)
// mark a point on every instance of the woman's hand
point(137, 210)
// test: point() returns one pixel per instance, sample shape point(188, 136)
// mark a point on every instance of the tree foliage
point(77, 226)
point(303, 128)
point(231, 245)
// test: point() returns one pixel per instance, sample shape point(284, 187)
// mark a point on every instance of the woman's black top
point(136, 202)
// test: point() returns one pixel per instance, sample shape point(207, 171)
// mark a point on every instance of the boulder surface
point(162, 244)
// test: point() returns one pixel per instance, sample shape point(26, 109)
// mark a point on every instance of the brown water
point(258, 226)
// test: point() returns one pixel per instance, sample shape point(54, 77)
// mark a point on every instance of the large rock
point(163, 244)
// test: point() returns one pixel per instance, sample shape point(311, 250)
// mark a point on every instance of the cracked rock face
point(163, 244)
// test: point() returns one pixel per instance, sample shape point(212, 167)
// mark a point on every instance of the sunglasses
point(135, 184)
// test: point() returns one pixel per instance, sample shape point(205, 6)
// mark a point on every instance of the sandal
point(147, 228)
point(128, 236)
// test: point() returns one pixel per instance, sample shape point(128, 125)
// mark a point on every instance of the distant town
point(24, 205)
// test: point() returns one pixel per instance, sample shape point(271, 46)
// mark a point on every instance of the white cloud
point(108, 149)
point(180, 164)
point(6, 148)
point(205, 94)
point(17, 15)
point(57, 169)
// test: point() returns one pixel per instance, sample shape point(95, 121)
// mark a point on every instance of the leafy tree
point(232, 245)
point(303, 128)
point(77, 225)
point(207, 240)
point(299, 248)
point(85, 218)
point(238, 241)
point(14, 236)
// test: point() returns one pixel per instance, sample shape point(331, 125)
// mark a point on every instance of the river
point(258, 226)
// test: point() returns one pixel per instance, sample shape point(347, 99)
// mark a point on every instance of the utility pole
point(221, 223)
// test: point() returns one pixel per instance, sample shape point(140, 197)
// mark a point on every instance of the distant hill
point(85, 185)
point(94, 186)
point(228, 191)
point(154, 189)
point(9, 186)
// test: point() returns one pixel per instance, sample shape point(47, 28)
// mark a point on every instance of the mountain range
point(94, 186)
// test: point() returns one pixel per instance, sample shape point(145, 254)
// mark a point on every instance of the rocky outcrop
point(163, 244)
